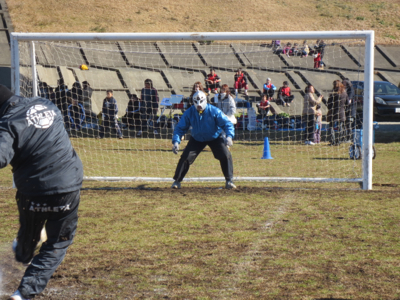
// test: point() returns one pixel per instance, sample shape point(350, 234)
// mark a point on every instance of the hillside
point(207, 16)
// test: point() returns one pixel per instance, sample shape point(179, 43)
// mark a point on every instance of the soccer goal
point(150, 76)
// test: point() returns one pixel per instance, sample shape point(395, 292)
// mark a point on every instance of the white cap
point(268, 79)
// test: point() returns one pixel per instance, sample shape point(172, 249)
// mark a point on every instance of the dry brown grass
point(207, 16)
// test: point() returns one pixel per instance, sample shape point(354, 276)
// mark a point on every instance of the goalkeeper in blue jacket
point(207, 123)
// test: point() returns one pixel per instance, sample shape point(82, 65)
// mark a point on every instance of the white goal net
point(122, 97)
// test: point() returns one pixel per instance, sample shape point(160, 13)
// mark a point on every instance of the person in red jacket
point(317, 60)
point(264, 107)
point(285, 94)
point(240, 82)
point(212, 82)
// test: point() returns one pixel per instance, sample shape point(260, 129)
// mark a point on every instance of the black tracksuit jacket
point(34, 141)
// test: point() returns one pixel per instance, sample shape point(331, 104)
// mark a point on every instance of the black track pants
point(59, 214)
point(192, 150)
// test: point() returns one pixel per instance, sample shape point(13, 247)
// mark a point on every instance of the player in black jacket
point(48, 175)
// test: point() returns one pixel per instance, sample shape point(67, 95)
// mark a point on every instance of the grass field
point(151, 157)
point(261, 241)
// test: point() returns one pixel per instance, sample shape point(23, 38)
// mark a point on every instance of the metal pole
point(15, 65)
point(368, 111)
point(34, 70)
point(192, 36)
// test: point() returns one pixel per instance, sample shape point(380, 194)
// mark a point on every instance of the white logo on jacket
point(39, 118)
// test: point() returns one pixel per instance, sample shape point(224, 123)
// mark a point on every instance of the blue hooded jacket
point(206, 126)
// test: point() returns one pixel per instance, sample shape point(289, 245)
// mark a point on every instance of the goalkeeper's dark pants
point(192, 150)
point(59, 214)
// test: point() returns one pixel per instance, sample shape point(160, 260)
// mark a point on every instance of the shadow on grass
point(331, 299)
point(332, 158)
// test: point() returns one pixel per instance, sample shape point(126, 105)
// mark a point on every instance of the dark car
point(386, 98)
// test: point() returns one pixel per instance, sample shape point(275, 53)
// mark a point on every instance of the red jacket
point(212, 77)
point(285, 91)
point(264, 104)
point(240, 78)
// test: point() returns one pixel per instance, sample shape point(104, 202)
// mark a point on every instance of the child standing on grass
point(109, 114)
point(318, 124)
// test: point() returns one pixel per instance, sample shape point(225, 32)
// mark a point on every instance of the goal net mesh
point(77, 76)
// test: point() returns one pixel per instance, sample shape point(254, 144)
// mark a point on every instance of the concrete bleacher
point(48, 75)
point(298, 61)
point(181, 55)
point(258, 56)
point(106, 54)
point(182, 80)
point(385, 57)
point(99, 79)
point(59, 54)
point(338, 57)
point(144, 54)
point(354, 76)
point(393, 77)
point(218, 55)
point(322, 81)
point(134, 79)
point(391, 54)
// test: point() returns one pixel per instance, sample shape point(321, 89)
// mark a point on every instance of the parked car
point(386, 98)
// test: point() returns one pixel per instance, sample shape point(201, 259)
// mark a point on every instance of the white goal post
point(20, 63)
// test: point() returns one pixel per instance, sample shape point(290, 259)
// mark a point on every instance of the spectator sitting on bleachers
point(87, 92)
point(276, 46)
point(305, 50)
point(240, 82)
point(287, 49)
point(149, 96)
point(269, 89)
point(285, 94)
point(212, 82)
point(76, 114)
point(295, 49)
point(264, 107)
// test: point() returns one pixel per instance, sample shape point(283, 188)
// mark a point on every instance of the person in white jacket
point(225, 102)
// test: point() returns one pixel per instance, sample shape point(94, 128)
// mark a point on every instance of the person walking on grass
point(207, 122)
point(48, 175)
